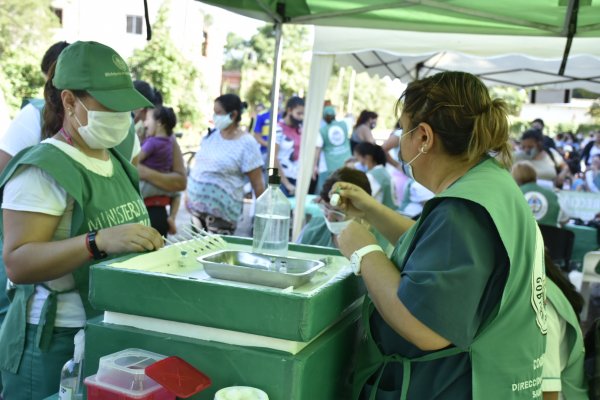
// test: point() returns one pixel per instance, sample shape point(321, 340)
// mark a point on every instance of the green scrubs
point(99, 202)
point(472, 271)
point(543, 203)
point(383, 178)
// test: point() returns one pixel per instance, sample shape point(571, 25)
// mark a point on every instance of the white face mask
point(337, 227)
point(222, 121)
point(104, 129)
point(406, 166)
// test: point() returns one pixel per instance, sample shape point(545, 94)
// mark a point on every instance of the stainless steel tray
point(260, 269)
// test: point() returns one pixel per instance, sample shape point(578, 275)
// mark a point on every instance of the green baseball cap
point(100, 71)
point(329, 110)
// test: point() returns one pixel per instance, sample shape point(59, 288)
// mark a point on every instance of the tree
point(235, 48)
point(594, 111)
point(163, 66)
point(514, 98)
point(25, 33)
point(258, 63)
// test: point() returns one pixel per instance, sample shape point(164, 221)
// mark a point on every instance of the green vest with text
point(99, 202)
point(336, 145)
point(507, 352)
point(543, 203)
point(382, 176)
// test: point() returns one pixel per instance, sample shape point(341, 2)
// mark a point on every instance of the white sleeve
point(24, 131)
point(376, 191)
point(34, 190)
point(137, 147)
point(279, 136)
point(589, 180)
point(319, 142)
point(419, 193)
point(552, 363)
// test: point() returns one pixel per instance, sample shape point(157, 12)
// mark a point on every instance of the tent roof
point(406, 55)
point(510, 17)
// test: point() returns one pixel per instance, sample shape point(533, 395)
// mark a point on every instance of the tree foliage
point(594, 111)
point(514, 98)
point(162, 65)
point(25, 33)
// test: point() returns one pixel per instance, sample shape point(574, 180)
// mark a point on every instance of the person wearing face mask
point(549, 165)
point(215, 190)
point(458, 310)
point(324, 230)
point(333, 147)
point(82, 198)
point(287, 144)
point(373, 157)
point(363, 129)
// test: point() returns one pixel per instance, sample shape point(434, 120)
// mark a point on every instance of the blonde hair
point(523, 172)
point(458, 107)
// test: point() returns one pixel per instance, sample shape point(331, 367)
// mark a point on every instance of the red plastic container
point(98, 391)
point(178, 376)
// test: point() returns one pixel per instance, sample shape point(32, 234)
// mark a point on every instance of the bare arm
point(30, 255)
point(365, 134)
point(382, 279)
point(316, 162)
point(174, 181)
point(4, 159)
point(550, 395)
point(256, 180)
point(284, 179)
point(258, 137)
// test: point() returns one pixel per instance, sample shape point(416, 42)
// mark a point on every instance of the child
point(157, 153)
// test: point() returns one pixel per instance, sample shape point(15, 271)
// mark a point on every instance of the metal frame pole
point(275, 94)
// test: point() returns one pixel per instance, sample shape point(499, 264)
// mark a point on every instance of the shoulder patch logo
point(118, 61)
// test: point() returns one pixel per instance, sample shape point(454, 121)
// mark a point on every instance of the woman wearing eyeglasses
point(458, 311)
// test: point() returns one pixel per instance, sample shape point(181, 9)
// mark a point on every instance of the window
point(204, 44)
point(59, 14)
point(134, 24)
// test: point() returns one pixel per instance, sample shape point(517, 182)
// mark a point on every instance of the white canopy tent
point(507, 60)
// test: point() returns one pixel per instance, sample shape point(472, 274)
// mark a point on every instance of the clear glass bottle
point(272, 220)
point(70, 375)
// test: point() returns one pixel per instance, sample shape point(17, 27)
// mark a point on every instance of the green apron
point(99, 202)
point(382, 176)
point(543, 203)
point(336, 152)
point(502, 368)
point(573, 382)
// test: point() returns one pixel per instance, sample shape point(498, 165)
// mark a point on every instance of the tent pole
point(569, 31)
point(275, 94)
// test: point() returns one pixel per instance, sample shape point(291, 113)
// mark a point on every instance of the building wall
point(106, 21)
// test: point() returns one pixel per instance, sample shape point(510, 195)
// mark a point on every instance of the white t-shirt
point(25, 130)
point(557, 351)
point(32, 189)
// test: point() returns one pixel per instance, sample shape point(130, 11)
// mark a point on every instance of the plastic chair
point(591, 274)
point(559, 244)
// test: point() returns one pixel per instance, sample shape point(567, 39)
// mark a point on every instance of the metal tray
point(260, 269)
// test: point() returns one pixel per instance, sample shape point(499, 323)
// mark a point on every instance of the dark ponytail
point(369, 149)
point(166, 116)
point(556, 276)
point(54, 112)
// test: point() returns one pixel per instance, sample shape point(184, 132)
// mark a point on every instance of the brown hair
point(345, 174)
point(458, 107)
point(54, 112)
point(523, 172)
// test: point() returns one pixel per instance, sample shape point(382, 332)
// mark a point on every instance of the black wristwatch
point(95, 252)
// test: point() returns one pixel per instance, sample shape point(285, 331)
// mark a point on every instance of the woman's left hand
point(355, 236)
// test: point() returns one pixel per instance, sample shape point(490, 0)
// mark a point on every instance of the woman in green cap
point(67, 203)
point(458, 311)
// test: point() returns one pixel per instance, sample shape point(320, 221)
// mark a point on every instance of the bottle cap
point(274, 179)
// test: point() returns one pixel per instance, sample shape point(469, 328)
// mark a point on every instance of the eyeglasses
point(332, 214)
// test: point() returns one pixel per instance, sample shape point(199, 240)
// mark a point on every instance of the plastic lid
point(274, 179)
point(178, 376)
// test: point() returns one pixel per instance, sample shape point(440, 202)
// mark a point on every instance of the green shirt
point(384, 180)
point(336, 146)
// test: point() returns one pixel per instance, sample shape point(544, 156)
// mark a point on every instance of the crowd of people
point(96, 169)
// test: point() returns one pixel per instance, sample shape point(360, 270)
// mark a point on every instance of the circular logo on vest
point(538, 204)
point(336, 135)
point(118, 61)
